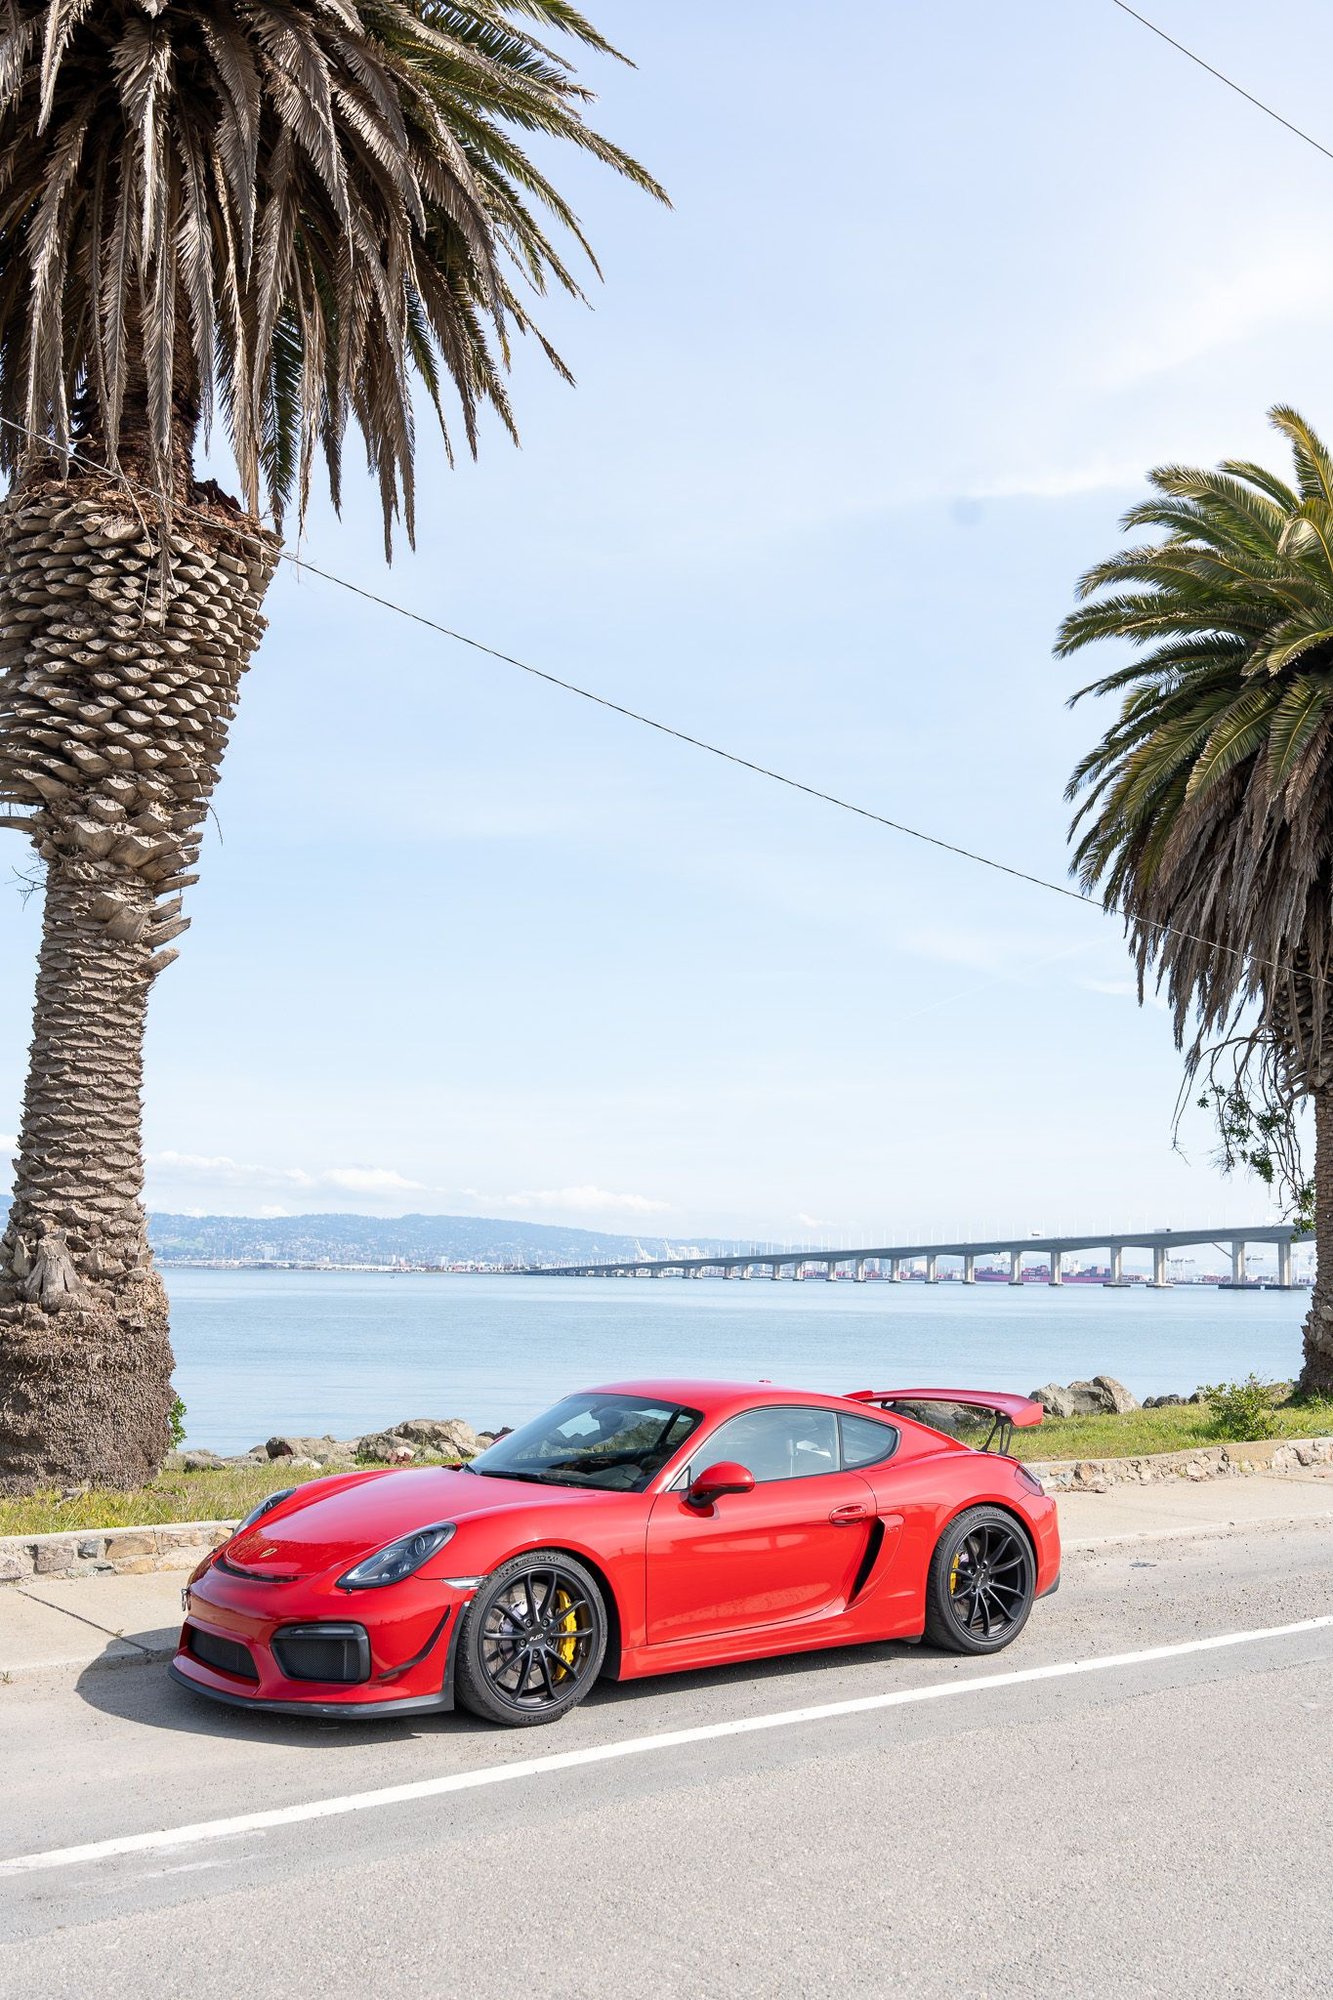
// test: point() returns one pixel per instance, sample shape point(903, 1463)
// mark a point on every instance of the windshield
point(617, 1442)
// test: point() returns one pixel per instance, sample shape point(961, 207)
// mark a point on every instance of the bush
point(1242, 1410)
point(176, 1422)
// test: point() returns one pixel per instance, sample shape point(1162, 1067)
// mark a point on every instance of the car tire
point(981, 1582)
point(533, 1641)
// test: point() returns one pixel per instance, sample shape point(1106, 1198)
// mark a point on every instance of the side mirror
point(725, 1477)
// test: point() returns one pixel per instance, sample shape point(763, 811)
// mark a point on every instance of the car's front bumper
point(411, 1629)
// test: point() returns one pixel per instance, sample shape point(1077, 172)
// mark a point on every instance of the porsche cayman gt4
point(643, 1528)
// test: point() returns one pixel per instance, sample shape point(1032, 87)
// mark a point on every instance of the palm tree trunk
point(122, 643)
point(1317, 1372)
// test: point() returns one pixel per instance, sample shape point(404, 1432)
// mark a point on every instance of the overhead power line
point(1230, 82)
point(136, 488)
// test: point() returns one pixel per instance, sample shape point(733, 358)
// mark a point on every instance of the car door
point(789, 1550)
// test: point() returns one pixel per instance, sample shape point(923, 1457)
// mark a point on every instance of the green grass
point(227, 1494)
point(223, 1495)
point(1179, 1427)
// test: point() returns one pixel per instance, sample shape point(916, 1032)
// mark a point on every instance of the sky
point(936, 288)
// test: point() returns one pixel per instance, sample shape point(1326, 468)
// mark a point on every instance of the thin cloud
point(222, 1169)
point(1122, 989)
point(1063, 482)
point(586, 1200)
point(1206, 317)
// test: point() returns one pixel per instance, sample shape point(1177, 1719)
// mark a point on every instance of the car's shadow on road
point(144, 1693)
point(822, 1663)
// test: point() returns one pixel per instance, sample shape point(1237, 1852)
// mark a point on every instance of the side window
point(782, 1443)
point(865, 1442)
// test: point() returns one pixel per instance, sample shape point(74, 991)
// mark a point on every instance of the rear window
point(865, 1442)
point(984, 1430)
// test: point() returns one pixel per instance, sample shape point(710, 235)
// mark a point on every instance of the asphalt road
point(1156, 1827)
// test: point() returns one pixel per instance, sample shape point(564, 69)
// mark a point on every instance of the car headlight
point(263, 1508)
point(401, 1558)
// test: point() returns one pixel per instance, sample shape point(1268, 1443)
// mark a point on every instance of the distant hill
point(374, 1239)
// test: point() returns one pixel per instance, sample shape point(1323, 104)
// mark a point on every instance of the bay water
point(311, 1353)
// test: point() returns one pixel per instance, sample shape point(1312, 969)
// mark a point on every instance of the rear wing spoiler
point(1006, 1410)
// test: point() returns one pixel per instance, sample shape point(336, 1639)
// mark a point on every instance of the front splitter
point(335, 1711)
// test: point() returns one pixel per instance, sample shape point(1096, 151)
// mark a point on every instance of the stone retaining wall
point(1274, 1456)
point(180, 1544)
point(110, 1551)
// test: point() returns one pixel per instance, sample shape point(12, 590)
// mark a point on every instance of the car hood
point(334, 1522)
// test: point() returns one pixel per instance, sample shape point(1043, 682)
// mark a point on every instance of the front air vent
point(227, 1655)
point(322, 1652)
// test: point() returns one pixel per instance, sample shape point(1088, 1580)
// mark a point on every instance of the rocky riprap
point(396, 1444)
point(1103, 1396)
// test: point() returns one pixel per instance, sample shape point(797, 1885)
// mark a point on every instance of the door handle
point(855, 1510)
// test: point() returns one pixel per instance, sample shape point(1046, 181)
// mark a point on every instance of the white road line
point(634, 1746)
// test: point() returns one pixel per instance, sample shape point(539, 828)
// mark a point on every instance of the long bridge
point(892, 1260)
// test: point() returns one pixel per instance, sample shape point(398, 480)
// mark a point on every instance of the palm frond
point(1205, 811)
point(292, 210)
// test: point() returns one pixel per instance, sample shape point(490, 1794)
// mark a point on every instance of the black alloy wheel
point(981, 1583)
point(533, 1642)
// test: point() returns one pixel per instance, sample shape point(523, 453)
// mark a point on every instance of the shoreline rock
point(1103, 1396)
point(395, 1444)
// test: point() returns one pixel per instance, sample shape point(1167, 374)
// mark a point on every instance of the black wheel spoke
point(537, 1638)
point(552, 1592)
point(990, 1579)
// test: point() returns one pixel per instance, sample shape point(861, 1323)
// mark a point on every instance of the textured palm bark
point(1317, 1371)
point(122, 644)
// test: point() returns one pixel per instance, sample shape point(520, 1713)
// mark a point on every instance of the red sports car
point(644, 1528)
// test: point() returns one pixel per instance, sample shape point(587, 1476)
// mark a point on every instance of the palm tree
point(295, 213)
point(1206, 812)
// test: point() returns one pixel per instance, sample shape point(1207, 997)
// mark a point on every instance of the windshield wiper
point(531, 1478)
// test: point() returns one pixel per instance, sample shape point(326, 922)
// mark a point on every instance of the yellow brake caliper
point(953, 1576)
point(568, 1619)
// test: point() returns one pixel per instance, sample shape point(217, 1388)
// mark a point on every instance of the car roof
point(717, 1399)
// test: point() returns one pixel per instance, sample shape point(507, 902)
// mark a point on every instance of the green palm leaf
point(300, 210)
point(1205, 811)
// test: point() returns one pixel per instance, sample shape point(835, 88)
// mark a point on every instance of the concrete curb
point(63, 1669)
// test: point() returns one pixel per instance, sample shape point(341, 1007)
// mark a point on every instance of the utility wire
point(568, 687)
point(133, 488)
point(1230, 82)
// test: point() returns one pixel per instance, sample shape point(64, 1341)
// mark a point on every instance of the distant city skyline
point(464, 944)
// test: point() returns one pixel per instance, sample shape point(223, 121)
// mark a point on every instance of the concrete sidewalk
point(1182, 1507)
point(61, 1626)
